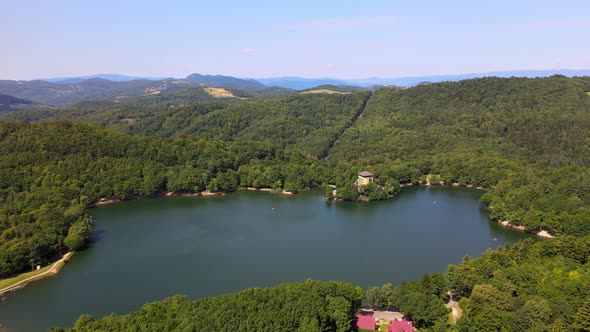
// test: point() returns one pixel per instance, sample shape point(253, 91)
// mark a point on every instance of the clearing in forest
point(219, 93)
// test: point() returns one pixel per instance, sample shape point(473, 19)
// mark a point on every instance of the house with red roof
point(400, 326)
point(366, 322)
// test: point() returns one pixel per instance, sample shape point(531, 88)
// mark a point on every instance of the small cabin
point(400, 326)
point(366, 322)
point(364, 178)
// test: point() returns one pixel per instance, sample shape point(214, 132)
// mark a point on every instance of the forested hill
point(544, 121)
point(8, 103)
point(307, 123)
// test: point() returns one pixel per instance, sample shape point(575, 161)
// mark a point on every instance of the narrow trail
point(349, 124)
point(454, 305)
point(52, 270)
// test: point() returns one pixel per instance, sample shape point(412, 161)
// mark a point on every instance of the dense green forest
point(305, 307)
point(526, 141)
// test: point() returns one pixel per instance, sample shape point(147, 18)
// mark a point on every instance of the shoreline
point(269, 190)
point(54, 269)
point(108, 201)
point(441, 184)
point(541, 233)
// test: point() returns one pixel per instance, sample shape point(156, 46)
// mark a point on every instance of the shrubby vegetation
point(306, 307)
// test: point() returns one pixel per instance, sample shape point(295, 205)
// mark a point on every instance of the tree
point(309, 324)
point(78, 233)
point(380, 296)
point(347, 192)
point(535, 312)
point(582, 318)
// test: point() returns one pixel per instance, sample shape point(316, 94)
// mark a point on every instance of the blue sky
point(342, 39)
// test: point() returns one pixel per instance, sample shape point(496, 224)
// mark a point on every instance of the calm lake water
point(150, 249)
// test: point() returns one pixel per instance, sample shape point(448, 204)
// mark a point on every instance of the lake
point(146, 250)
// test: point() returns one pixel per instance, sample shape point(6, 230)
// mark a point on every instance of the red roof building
point(400, 326)
point(366, 322)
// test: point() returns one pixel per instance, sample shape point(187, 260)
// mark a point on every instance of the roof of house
point(365, 322)
point(365, 174)
point(400, 326)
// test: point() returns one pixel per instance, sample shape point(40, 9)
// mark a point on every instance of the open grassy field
point(219, 93)
point(11, 281)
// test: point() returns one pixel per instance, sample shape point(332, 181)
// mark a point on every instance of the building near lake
point(366, 322)
point(400, 326)
point(364, 178)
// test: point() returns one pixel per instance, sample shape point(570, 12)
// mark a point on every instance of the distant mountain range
point(114, 87)
point(299, 83)
point(110, 77)
point(75, 89)
point(226, 82)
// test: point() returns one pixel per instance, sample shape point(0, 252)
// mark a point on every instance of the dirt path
point(454, 305)
point(53, 270)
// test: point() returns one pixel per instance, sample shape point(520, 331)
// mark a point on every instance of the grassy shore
point(7, 284)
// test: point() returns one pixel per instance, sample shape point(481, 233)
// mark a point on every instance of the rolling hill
point(225, 82)
point(10, 103)
point(99, 89)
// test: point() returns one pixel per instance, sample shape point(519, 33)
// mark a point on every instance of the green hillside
point(10, 103)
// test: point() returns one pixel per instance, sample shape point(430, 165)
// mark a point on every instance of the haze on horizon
point(312, 39)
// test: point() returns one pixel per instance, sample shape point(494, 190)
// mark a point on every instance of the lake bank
point(542, 233)
point(19, 281)
point(108, 201)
